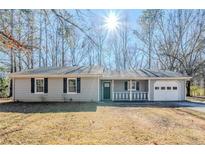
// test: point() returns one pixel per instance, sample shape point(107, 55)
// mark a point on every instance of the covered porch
point(124, 90)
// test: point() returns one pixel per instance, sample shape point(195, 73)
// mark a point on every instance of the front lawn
point(89, 123)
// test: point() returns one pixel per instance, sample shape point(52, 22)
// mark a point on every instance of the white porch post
point(112, 90)
point(130, 90)
point(148, 95)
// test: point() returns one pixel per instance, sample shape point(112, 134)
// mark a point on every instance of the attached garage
point(168, 90)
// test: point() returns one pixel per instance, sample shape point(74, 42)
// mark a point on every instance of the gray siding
point(89, 91)
point(183, 89)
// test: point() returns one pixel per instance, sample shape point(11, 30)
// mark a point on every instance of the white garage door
point(166, 91)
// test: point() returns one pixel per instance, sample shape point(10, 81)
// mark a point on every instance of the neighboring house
point(96, 84)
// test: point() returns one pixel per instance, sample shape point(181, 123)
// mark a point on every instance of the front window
point(134, 86)
point(39, 85)
point(72, 86)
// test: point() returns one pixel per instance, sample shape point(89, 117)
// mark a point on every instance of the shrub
point(4, 85)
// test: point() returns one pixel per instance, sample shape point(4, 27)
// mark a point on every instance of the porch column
point(130, 90)
point(112, 90)
point(148, 93)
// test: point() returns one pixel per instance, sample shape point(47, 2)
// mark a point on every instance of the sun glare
point(112, 22)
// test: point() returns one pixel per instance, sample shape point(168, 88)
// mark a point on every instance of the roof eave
point(52, 75)
point(145, 78)
point(95, 75)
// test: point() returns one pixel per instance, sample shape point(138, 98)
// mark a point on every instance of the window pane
point(156, 88)
point(39, 85)
point(72, 85)
point(133, 85)
point(162, 88)
point(174, 88)
point(169, 88)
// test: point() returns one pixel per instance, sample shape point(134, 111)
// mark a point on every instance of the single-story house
point(94, 83)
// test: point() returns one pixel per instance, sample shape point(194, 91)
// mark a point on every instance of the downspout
point(98, 88)
point(185, 89)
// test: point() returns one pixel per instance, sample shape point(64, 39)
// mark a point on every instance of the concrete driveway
point(194, 105)
point(198, 106)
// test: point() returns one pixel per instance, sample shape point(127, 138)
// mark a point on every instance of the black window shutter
point(137, 86)
point(45, 85)
point(78, 85)
point(126, 85)
point(11, 88)
point(64, 85)
point(32, 85)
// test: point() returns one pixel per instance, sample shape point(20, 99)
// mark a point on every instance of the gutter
point(147, 78)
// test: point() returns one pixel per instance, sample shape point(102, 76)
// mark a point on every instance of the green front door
point(106, 90)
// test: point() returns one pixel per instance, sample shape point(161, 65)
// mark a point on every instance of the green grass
point(89, 123)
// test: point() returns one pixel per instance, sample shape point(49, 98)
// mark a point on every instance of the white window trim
point(36, 86)
point(68, 85)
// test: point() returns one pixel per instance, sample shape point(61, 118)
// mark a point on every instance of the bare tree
point(146, 31)
point(180, 41)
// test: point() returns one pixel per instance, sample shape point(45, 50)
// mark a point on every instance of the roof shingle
point(97, 70)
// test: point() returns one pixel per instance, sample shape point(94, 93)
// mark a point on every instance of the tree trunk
point(63, 51)
point(19, 39)
point(32, 38)
point(40, 42)
point(56, 47)
point(46, 33)
point(11, 52)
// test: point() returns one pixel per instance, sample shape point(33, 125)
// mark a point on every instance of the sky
point(98, 16)
point(132, 15)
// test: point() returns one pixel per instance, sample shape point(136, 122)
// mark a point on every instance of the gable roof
point(96, 71)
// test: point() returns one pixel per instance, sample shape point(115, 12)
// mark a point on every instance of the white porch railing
point(139, 96)
point(129, 96)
